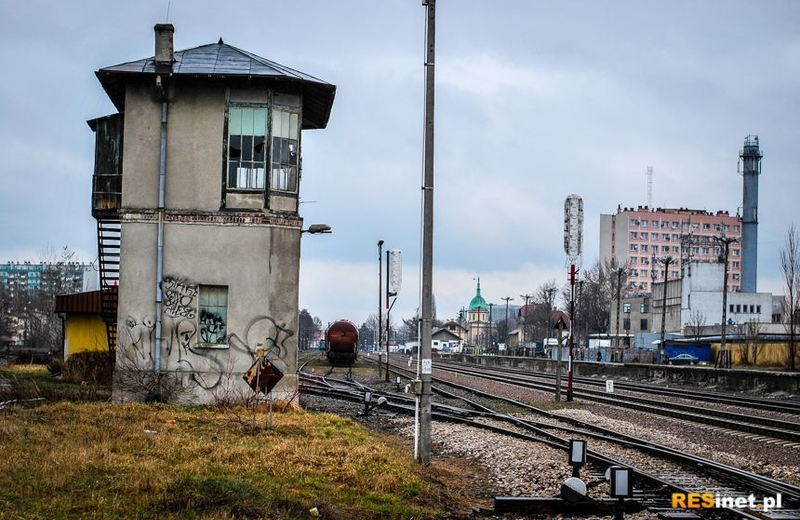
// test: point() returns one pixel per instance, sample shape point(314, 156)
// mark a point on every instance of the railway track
point(660, 470)
point(652, 400)
point(782, 406)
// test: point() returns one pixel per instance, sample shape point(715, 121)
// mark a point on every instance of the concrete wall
point(255, 254)
point(728, 380)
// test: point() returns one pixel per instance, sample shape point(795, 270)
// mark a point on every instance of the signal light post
point(573, 245)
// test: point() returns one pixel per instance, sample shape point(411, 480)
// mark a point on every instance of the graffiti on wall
point(195, 340)
point(139, 335)
point(179, 297)
point(212, 327)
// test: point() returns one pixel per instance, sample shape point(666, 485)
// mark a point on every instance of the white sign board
point(427, 366)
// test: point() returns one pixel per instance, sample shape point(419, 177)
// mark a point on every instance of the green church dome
point(478, 303)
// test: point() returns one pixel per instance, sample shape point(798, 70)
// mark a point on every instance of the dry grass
point(98, 460)
point(68, 459)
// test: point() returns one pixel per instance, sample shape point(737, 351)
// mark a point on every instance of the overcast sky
point(535, 100)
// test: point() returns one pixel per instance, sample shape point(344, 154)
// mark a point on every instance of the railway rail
point(653, 402)
point(659, 470)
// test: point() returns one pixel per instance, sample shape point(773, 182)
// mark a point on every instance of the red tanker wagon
point(341, 345)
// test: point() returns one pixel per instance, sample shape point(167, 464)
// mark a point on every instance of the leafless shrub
point(94, 368)
point(139, 382)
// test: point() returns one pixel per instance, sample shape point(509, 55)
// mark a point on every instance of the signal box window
point(213, 314)
point(285, 151)
point(247, 141)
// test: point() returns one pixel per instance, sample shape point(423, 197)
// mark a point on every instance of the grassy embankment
point(89, 459)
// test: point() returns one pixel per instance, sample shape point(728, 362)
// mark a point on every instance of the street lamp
point(317, 229)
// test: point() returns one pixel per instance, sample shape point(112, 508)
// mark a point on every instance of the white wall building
point(701, 299)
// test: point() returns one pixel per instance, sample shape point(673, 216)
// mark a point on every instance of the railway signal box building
point(195, 193)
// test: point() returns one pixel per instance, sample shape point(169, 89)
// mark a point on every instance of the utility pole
point(380, 305)
point(491, 343)
point(525, 297)
point(724, 355)
point(426, 366)
point(619, 271)
point(506, 299)
point(666, 261)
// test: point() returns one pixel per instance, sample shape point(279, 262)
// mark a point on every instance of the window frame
point(207, 302)
point(230, 108)
point(284, 182)
point(271, 103)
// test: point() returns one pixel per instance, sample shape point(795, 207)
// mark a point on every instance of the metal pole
point(572, 273)
point(725, 361)
point(490, 340)
point(426, 368)
point(388, 319)
point(380, 306)
point(521, 346)
point(506, 298)
point(666, 261)
point(619, 284)
point(558, 360)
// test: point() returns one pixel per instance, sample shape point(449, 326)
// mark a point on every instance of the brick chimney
point(164, 45)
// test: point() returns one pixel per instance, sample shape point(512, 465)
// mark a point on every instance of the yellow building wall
point(84, 333)
point(772, 354)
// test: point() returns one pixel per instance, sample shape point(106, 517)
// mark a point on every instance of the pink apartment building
point(641, 238)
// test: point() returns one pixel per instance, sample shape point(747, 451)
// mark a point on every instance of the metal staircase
point(108, 247)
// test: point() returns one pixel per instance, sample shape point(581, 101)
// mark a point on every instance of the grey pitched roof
point(220, 61)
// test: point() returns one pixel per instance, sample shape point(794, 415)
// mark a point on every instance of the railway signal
point(573, 247)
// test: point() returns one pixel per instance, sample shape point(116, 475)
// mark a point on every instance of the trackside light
point(577, 455)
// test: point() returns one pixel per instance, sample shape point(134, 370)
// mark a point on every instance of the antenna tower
point(650, 187)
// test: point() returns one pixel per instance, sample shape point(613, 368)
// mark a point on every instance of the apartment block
point(641, 238)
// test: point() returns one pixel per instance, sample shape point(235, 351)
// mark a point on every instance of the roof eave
point(317, 97)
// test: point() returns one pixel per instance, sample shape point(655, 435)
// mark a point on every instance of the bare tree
point(594, 300)
point(545, 298)
point(310, 330)
point(790, 268)
point(696, 324)
point(61, 275)
point(371, 324)
point(750, 330)
point(6, 319)
point(409, 330)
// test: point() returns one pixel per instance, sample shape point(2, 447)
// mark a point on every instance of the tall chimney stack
point(164, 46)
point(751, 169)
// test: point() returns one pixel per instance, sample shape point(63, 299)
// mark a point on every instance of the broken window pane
point(247, 133)
point(285, 151)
